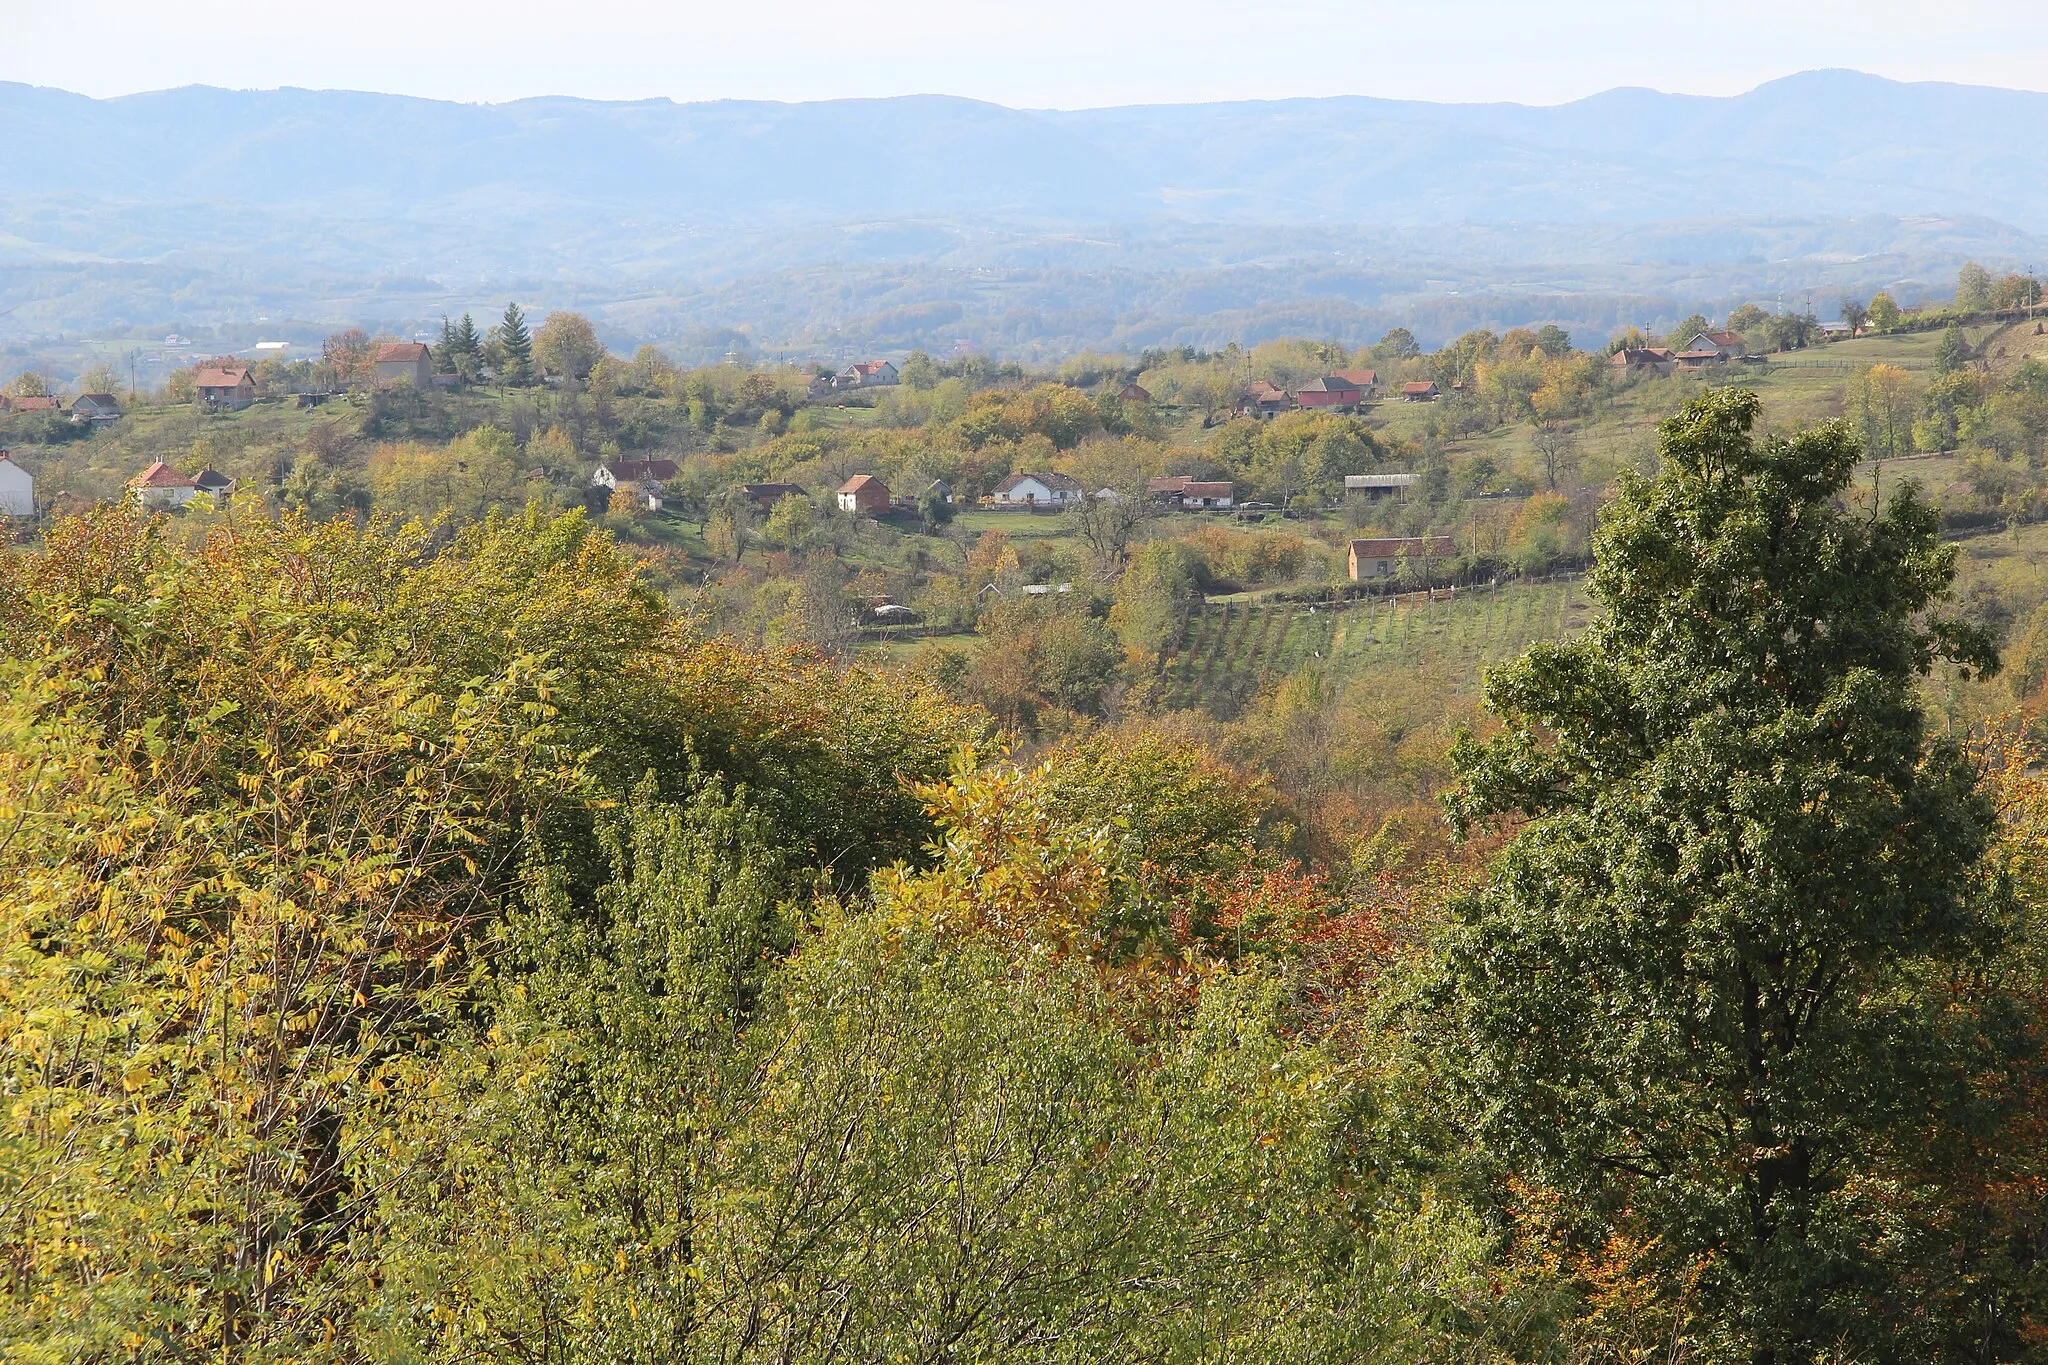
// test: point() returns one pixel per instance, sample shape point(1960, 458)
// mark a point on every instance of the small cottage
point(229, 387)
point(1384, 557)
point(95, 407)
point(402, 362)
point(864, 495)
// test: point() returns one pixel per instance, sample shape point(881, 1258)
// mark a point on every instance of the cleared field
point(1227, 652)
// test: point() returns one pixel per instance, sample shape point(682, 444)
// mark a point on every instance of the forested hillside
point(431, 944)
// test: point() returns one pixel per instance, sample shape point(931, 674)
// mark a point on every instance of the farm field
point(1228, 651)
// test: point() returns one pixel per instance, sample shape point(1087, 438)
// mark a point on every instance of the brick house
point(1385, 556)
point(864, 495)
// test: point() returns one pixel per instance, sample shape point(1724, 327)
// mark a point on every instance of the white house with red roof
point(17, 489)
point(866, 374)
point(162, 487)
point(865, 495)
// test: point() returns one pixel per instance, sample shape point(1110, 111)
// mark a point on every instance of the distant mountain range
point(213, 205)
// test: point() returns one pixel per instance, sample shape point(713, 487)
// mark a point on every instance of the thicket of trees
point(426, 947)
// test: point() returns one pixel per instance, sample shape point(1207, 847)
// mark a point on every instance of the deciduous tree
point(1715, 990)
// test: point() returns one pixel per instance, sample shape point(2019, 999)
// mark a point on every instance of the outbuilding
point(1384, 557)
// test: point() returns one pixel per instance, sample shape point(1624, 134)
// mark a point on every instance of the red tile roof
point(1725, 338)
point(160, 475)
point(37, 403)
point(1364, 379)
point(1395, 547)
point(401, 353)
point(858, 482)
point(1418, 386)
point(215, 377)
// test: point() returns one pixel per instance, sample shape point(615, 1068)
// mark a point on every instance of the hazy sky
point(1062, 53)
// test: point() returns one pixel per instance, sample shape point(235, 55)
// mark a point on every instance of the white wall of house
point(17, 490)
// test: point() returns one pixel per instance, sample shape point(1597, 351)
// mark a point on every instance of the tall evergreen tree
point(1715, 992)
point(447, 349)
point(517, 343)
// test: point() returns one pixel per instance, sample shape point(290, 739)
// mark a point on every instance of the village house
point(1421, 391)
point(210, 482)
point(1329, 392)
point(95, 407)
point(1179, 490)
point(865, 374)
point(32, 403)
point(615, 472)
point(639, 480)
point(1263, 401)
point(1134, 393)
point(1644, 360)
point(939, 489)
point(864, 495)
point(1384, 557)
point(1367, 382)
point(230, 387)
point(162, 487)
point(1376, 487)
point(1727, 345)
point(402, 362)
point(17, 489)
point(1699, 360)
point(1039, 490)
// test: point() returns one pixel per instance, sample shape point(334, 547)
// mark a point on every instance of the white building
point(17, 489)
point(866, 374)
point(1039, 490)
point(162, 487)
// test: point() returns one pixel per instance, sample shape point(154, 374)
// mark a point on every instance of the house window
point(1383, 566)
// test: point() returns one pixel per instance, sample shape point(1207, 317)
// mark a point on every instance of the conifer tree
point(517, 344)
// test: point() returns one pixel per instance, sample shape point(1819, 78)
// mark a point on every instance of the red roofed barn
point(402, 362)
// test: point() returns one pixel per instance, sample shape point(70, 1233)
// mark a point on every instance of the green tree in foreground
point(1715, 992)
